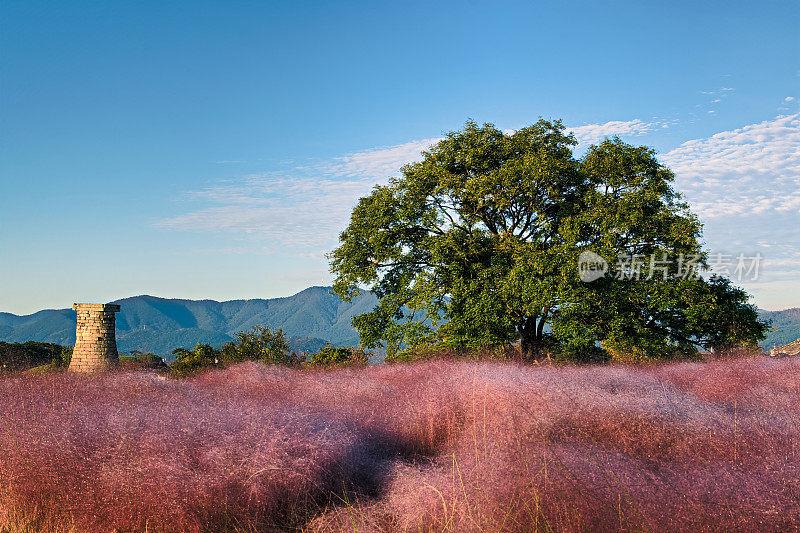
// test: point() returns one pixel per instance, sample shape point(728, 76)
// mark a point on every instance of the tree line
point(266, 346)
point(261, 344)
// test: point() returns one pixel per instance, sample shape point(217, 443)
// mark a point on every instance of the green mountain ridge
point(786, 326)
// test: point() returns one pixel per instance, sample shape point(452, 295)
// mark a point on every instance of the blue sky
point(214, 149)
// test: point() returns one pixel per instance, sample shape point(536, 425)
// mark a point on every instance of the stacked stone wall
point(95, 338)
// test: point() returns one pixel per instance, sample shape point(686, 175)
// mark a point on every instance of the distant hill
point(310, 318)
point(147, 323)
point(786, 324)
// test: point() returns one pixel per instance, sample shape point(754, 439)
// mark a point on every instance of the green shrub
point(139, 359)
point(260, 344)
point(335, 357)
point(66, 356)
point(580, 353)
point(626, 352)
point(189, 362)
point(425, 352)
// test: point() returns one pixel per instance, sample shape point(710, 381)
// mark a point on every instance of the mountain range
point(786, 326)
point(310, 319)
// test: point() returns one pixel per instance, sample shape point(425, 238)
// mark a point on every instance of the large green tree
point(478, 245)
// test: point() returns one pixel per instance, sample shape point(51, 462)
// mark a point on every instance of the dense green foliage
point(259, 344)
point(66, 356)
point(188, 362)
point(477, 245)
point(138, 359)
point(16, 356)
point(333, 357)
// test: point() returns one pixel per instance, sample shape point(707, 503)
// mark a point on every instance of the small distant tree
point(336, 357)
point(188, 362)
point(261, 344)
point(139, 359)
point(229, 353)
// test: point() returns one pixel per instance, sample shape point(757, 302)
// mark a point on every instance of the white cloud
point(308, 209)
point(305, 212)
point(718, 92)
point(749, 170)
point(592, 133)
point(718, 96)
point(744, 184)
point(789, 99)
point(379, 163)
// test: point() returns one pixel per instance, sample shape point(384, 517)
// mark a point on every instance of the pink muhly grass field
point(437, 446)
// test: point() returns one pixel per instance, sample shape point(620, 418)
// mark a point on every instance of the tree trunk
point(529, 338)
point(531, 334)
point(540, 327)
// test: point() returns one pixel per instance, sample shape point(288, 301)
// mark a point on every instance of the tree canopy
point(478, 245)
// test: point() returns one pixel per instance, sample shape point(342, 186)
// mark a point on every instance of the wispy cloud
point(750, 170)
point(308, 206)
point(717, 96)
point(378, 163)
point(593, 133)
point(285, 211)
point(745, 186)
point(306, 209)
point(721, 92)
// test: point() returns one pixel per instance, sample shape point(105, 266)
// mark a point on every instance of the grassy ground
point(437, 446)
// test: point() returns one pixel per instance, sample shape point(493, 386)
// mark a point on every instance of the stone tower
point(95, 341)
